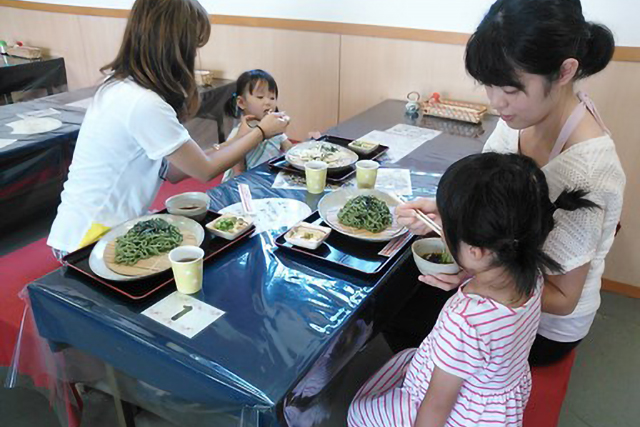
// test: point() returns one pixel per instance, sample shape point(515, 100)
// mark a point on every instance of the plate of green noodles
point(362, 214)
point(141, 239)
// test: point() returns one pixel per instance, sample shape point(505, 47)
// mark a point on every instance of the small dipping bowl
point(193, 205)
point(422, 247)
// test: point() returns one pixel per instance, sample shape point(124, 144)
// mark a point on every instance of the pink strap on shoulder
point(586, 104)
point(591, 106)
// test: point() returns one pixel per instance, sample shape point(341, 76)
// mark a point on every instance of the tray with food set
point(341, 155)
point(362, 236)
point(132, 258)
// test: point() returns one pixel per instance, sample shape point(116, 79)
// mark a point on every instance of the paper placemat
point(183, 313)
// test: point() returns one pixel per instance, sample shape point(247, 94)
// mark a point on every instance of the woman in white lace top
point(528, 54)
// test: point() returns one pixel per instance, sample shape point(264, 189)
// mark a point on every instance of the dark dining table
point(24, 75)
point(291, 323)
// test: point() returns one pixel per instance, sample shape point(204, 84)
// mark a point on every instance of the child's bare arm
point(440, 398)
point(286, 145)
point(239, 168)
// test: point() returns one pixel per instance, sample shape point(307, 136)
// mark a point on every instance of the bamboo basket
point(25, 52)
point(204, 77)
point(455, 110)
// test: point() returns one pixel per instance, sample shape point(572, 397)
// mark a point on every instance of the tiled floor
point(604, 389)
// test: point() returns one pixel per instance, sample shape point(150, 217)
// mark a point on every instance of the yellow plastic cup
point(186, 263)
point(366, 173)
point(316, 174)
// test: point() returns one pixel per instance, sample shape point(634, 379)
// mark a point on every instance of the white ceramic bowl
point(307, 244)
point(368, 149)
point(176, 205)
point(229, 235)
point(423, 247)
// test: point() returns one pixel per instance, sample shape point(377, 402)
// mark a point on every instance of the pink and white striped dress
point(475, 338)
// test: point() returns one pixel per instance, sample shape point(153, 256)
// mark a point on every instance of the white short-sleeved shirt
point(266, 150)
point(115, 172)
point(582, 236)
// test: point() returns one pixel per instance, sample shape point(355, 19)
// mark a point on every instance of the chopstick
point(422, 217)
point(429, 222)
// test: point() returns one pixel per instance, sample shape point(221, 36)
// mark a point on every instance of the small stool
point(549, 388)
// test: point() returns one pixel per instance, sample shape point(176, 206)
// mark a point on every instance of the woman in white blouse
point(528, 54)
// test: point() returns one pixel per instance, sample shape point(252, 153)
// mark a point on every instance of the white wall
point(442, 15)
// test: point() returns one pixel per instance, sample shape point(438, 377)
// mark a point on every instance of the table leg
point(124, 410)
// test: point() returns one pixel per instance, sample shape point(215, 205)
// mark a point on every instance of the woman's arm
point(175, 175)
point(441, 396)
point(562, 292)
point(191, 160)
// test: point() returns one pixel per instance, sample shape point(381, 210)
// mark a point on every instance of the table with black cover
point(22, 75)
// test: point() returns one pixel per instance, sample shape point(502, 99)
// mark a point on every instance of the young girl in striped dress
point(256, 96)
point(472, 369)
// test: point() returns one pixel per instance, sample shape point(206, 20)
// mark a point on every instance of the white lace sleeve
point(579, 235)
point(574, 240)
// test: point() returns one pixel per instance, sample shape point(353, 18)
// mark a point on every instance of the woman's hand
point(274, 124)
point(408, 218)
point(244, 127)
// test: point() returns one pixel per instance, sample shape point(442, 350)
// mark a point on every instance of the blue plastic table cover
point(291, 324)
point(34, 167)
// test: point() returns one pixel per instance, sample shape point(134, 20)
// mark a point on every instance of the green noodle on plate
point(145, 240)
point(366, 213)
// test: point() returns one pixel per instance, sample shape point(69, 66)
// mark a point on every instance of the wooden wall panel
point(59, 33)
point(304, 64)
point(616, 92)
point(374, 69)
point(101, 39)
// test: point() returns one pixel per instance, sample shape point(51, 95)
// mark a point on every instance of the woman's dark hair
point(246, 84)
point(501, 202)
point(158, 51)
point(536, 37)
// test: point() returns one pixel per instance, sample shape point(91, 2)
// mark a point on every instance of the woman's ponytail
point(598, 50)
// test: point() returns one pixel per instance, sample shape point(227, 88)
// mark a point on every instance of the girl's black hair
point(535, 36)
point(501, 202)
point(247, 83)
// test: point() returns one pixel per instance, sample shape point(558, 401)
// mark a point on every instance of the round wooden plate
point(192, 232)
point(144, 267)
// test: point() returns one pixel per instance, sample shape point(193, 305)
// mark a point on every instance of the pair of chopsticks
point(429, 222)
point(422, 217)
